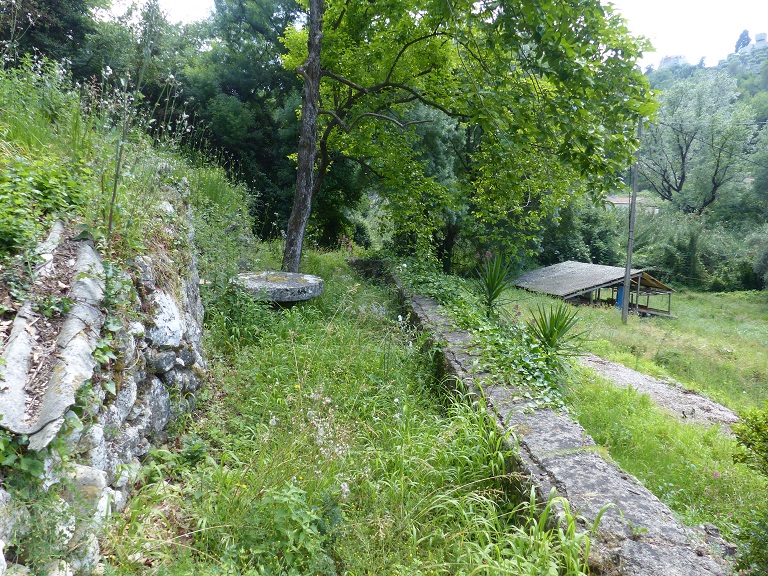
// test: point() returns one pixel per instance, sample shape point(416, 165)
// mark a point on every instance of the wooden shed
point(582, 283)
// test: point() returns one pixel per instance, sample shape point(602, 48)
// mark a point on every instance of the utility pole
point(626, 294)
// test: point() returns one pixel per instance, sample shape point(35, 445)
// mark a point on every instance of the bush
point(752, 436)
point(30, 190)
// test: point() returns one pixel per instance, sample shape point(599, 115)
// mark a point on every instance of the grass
point(690, 467)
point(716, 345)
point(325, 447)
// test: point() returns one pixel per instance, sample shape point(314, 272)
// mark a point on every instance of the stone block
point(168, 326)
point(160, 362)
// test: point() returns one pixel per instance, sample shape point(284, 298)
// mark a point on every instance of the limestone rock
point(86, 555)
point(58, 568)
point(160, 362)
point(168, 326)
point(280, 287)
point(126, 396)
point(153, 406)
point(88, 485)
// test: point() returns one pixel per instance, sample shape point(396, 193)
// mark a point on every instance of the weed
point(23, 468)
point(52, 306)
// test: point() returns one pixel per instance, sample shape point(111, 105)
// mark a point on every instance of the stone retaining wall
point(158, 369)
point(638, 535)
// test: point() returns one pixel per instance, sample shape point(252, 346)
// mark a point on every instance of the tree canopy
point(743, 40)
point(549, 91)
point(691, 154)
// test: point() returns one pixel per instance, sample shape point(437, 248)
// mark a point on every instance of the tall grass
point(330, 449)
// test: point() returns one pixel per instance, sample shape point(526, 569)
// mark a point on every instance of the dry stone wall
point(158, 369)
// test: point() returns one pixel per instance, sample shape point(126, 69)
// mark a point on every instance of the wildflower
point(715, 474)
point(344, 488)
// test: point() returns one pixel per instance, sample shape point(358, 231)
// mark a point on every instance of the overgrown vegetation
point(340, 457)
point(323, 445)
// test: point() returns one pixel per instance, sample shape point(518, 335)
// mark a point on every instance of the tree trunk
point(310, 103)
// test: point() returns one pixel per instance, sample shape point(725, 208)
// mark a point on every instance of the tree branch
point(348, 127)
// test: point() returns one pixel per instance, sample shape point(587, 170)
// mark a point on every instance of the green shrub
point(492, 278)
point(31, 190)
point(752, 436)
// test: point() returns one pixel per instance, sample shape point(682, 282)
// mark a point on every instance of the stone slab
point(280, 287)
point(41, 414)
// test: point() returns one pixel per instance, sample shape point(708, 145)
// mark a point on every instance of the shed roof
point(569, 279)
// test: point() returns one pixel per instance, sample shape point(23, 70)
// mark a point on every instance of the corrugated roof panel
point(571, 278)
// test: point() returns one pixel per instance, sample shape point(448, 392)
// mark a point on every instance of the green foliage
point(321, 459)
point(553, 328)
point(698, 251)
point(35, 27)
point(52, 306)
point(492, 279)
point(753, 553)
point(584, 232)
point(492, 177)
point(752, 436)
point(30, 191)
point(235, 317)
point(743, 40)
point(22, 467)
point(691, 153)
point(509, 352)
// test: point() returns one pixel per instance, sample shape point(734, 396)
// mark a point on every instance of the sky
point(689, 28)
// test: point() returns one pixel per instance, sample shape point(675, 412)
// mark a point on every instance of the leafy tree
point(54, 28)
point(743, 40)
point(692, 153)
point(551, 90)
point(237, 89)
point(584, 232)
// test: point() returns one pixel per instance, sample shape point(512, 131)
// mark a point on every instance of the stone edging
point(638, 535)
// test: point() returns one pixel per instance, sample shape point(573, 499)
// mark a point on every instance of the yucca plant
point(492, 279)
point(553, 329)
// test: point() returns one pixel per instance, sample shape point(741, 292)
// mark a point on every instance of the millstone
point(280, 287)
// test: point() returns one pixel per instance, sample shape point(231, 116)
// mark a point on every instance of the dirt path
point(671, 396)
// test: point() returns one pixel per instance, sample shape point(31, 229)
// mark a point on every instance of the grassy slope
point(323, 444)
point(718, 344)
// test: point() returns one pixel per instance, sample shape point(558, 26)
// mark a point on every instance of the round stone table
point(280, 287)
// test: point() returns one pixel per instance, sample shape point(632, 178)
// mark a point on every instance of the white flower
point(344, 490)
